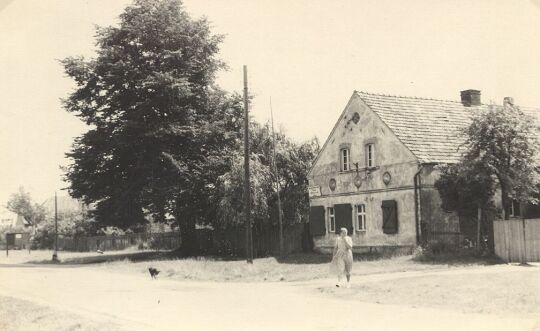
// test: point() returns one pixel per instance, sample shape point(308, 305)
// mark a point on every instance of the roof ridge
point(405, 97)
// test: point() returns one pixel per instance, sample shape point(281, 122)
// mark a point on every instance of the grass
point(295, 267)
point(73, 258)
point(298, 267)
point(16, 314)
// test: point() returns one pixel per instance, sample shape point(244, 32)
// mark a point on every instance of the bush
point(444, 253)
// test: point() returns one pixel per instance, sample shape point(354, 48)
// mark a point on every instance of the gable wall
point(391, 156)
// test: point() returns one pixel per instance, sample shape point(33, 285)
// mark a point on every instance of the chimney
point(508, 102)
point(470, 98)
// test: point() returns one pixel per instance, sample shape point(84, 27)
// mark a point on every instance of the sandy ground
point(135, 302)
point(17, 314)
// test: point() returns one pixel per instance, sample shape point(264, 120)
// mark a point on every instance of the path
point(139, 303)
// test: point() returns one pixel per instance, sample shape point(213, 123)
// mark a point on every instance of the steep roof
point(429, 128)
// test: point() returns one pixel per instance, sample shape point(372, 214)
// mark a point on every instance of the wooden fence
point(165, 240)
point(232, 241)
point(517, 240)
point(224, 242)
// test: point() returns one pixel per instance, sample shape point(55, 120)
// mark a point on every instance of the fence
point(166, 240)
point(231, 241)
point(517, 240)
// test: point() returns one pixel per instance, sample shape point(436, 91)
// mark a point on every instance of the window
point(370, 155)
point(360, 218)
point(331, 220)
point(345, 159)
point(515, 210)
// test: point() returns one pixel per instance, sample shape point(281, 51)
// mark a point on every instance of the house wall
point(391, 156)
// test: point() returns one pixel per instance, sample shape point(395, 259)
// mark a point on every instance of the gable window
point(515, 210)
point(331, 220)
point(360, 217)
point(370, 155)
point(345, 159)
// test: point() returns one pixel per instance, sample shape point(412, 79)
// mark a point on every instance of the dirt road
point(136, 302)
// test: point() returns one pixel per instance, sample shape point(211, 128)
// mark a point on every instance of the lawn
point(295, 267)
point(298, 267)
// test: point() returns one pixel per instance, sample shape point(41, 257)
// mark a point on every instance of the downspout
point(417, 202)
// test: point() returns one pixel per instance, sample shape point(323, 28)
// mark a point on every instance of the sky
point(308, 56)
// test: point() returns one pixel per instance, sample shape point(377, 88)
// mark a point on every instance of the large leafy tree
point(293, 162)
point(159, 125)
point(502, 142)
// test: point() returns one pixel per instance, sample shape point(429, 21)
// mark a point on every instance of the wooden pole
point(247, 190)
point(280, 216)
point(524, 259)
point(55, 254)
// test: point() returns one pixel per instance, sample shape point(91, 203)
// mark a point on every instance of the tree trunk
point(478, 222)
point(188, 237)
point(504, 201)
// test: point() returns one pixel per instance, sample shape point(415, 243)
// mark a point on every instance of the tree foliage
point(160, 128)
point(22, 204)
point(502, 142)
point(501, 150)
point(292, 161)
point(165, 143)
point(465, 188)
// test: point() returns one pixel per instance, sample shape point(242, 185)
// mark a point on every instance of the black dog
point(153, 272)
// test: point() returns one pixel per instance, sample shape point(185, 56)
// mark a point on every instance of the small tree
point(467, 189)
point(22, 204)
point(502, 142)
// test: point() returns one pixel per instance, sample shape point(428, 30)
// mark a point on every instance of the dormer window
point(370, 155)
point(345, 159)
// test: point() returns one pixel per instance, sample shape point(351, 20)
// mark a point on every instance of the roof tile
point(430, 128)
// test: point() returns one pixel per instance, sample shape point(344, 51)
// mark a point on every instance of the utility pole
point(247, 190)
point(280, 217)
point(55, 254)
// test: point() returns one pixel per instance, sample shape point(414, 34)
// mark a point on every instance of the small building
point(17, 240)
point(375, 173)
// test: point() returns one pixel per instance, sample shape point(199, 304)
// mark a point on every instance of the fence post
point(524, 260)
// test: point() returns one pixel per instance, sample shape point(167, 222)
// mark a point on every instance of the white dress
point(343, 259)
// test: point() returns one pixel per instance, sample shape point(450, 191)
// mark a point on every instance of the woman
point(343, 257)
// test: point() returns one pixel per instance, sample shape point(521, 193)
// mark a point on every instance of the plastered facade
point(358, 126)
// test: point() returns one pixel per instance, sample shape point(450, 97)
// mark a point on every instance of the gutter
point(417, 202)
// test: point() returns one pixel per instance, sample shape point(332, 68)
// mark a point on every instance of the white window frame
point(370, 155)
point(331, 220)
point(512, 211)
point(360, 217)
point(345, 159)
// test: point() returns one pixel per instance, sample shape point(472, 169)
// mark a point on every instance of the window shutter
point(390, 219)
point(344, 217)
point(317, 225)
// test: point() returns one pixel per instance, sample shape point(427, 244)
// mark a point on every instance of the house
point(375, 173)
point(9, 219)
